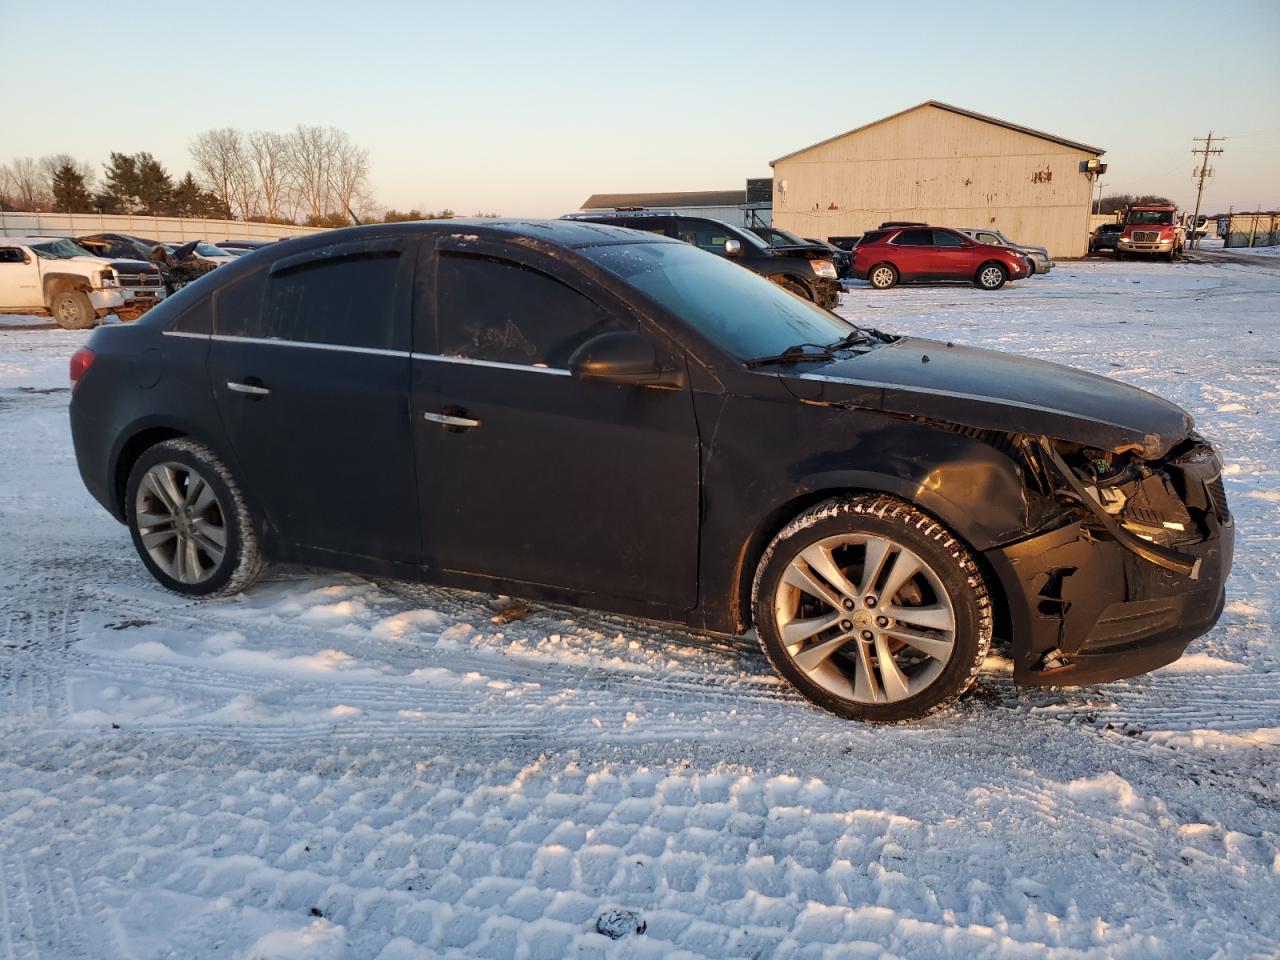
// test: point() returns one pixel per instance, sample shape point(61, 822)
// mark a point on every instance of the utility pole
point(1201, 172)
point(1097, 204)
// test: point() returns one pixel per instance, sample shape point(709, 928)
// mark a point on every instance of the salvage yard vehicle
point(805, 269)
point(1151, 229)
point(178, 266)
point(584, 414)
point(776, 238)
point(894, 255)
point(54, 276)
point(1038, 258)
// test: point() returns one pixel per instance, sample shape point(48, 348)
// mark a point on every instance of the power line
point(1202, 171)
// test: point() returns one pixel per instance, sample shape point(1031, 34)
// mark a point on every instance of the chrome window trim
point(497, 365)
point(374, 351)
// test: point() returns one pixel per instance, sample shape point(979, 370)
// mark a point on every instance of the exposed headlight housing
point(823, 268)
point(107, 278)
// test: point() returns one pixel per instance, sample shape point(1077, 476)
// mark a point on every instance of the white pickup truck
point(54, 276)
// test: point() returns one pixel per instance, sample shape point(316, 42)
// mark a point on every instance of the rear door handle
point(449, 420)
point(252, 389)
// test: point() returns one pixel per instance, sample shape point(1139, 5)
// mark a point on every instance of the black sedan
point(597, 416)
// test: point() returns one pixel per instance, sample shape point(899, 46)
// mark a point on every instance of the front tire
point(883, 276)
point(791, 285)
point(872, 609)
point(71, 310)
point(991, 276)
point(189, 521)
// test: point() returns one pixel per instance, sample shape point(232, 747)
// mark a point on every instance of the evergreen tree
point(136, 183)
point(69, 192)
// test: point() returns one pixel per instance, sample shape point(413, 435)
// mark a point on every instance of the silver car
point(1038, 257)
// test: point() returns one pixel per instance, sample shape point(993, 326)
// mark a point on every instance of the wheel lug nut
point(882, 621)
point(848, 604)
point(846, 625)
point(868, 635)
point(870, 601)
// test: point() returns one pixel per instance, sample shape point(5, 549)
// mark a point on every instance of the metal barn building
point(729, 206)
point(942, 165)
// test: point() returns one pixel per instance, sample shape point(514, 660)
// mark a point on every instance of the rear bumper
point(92, 446)
point(1107, 613)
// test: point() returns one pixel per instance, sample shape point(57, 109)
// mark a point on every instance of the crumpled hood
point(992, 390)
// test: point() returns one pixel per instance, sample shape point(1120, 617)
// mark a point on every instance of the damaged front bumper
point(1088, 607)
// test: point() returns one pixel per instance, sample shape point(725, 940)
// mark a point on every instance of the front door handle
point(252, 389)
point(451, 420)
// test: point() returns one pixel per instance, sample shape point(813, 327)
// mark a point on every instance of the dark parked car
point(1105, 237)
point(805, 269)
point(777, 238)
point(896, 255)
point(597, 416)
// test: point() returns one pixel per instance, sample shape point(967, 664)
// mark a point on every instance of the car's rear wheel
point(872, 609)
point(72, 310)
point(189, 521)
point(883, 276)
point(991, 276)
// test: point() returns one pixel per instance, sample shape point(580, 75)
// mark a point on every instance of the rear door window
point(504, 312)
point(914, 238)
point(345, 301)
point(945, 238)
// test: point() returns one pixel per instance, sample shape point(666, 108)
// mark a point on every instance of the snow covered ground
point(330, 766)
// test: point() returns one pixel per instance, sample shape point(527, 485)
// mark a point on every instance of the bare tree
point(310, 160)
point(350, 174)
point(27, 186)
point(270, 154)
point(224, 163)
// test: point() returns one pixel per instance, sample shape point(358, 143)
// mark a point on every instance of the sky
point(525, 109)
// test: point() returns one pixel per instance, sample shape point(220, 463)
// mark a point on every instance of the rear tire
point(991, 276)
point(71, 310)
point(872, 609)
point(883, 276)
point(189, 521)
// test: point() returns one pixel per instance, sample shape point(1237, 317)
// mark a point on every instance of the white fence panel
point(166, 229)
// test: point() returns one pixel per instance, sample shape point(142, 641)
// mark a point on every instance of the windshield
point(739, 311)
point(59, 250)
point(1153, 218)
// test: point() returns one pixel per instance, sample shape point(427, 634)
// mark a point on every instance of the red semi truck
point(1151, 229)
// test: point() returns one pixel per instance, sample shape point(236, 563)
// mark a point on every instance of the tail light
point(81, 361)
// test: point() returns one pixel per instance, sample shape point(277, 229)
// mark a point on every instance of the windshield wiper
point(824, 351)
point(793, 354)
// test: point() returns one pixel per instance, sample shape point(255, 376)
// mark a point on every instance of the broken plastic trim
point(1173, 560)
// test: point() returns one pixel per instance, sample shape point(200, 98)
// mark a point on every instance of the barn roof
point(685, 198)
point(1074, 144)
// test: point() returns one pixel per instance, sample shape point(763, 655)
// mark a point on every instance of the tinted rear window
point(914, 238)
point(872, 236)
point(347, 301)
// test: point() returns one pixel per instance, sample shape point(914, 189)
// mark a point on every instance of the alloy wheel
point(865, 618)
point(882, 277)
point(181, 523)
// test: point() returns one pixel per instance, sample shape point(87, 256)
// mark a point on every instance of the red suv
point(887, 256)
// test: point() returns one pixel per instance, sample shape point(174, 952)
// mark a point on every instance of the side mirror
point(732, 247)
point(621, 358)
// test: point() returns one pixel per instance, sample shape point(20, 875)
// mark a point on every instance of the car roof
point(565, 233)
